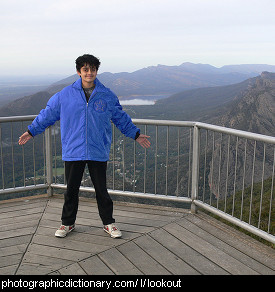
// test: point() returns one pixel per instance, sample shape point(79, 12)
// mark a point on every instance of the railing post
point(195, 168)
point(49, 160)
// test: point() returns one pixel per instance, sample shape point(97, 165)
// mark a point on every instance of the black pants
point(74, 172)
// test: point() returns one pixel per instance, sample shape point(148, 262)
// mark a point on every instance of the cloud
point(42, 36)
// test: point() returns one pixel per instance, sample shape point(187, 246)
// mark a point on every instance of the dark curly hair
point(87, 59)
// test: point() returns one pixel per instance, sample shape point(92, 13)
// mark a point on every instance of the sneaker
point(113, 230)
point(63, 230)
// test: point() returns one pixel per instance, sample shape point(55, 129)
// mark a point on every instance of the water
point(137, 102)
point(142, 99)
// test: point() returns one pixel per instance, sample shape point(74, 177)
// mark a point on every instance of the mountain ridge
point(163, 79)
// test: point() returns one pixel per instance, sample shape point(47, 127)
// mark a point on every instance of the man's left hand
point(143, 141)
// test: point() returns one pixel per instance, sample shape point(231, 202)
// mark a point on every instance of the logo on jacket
point(100, 105)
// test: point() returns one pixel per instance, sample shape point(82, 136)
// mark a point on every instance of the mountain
point(248, 105)
point(254, 109)
point(27, 105)
point(164, 79)
point(200, 104)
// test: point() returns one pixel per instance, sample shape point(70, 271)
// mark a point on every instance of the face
point(88, 74)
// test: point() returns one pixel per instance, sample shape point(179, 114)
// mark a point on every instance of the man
point(85, 110)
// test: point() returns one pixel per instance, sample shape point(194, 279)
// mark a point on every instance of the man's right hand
point(24, 138)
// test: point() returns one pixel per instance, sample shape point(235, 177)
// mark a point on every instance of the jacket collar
point(98, 85)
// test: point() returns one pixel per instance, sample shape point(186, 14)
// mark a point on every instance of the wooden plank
point(187, 253)
point(5, 208)
point(135, 228)
point(95, 266)
point(43, 197)
point(9, 260)
point(118, 263)
point(140, 221)
point(74, 269)
point(57, 253)
point(9, 270)
point(34, 269)
point(138, 214)
point(166, 258)
point(17, 232)
point(49, 263)
point(14, 249)
point(214, 254)
point(228, 244)
point(19, 225)
point(15, 240)
point(143, 261)
point(69, 243)
point(20, 213)
point(19, 221)
point(246, 244)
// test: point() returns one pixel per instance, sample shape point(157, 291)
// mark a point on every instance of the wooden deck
point(156, 240)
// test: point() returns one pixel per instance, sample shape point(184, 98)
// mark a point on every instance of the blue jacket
point(86, 131)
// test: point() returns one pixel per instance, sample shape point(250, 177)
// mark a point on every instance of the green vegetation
point(253, 208)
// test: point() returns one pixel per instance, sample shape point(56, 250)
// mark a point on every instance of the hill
point(254, 109)
point(27, 105)
point(164, 79)
point(198, 104)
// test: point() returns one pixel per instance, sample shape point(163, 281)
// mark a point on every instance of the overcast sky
point(46, 36)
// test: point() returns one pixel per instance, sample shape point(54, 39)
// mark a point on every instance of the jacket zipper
point(87, 131)
point(87, 103)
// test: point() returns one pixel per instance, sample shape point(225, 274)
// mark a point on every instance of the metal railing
point(227, 172)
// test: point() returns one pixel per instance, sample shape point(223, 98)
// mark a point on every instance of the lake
point(142, 99)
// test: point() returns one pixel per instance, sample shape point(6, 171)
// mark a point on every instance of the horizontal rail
point(238, 133)
point(23, 189)
point(220, 129)
point(17, 118)
point(164, 123)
